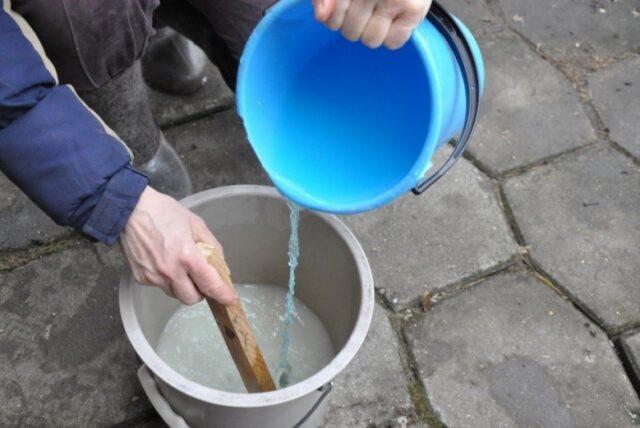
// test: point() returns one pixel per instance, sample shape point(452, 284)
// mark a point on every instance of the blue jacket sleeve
point(54, 147)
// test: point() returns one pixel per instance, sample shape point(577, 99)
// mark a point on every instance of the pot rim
point(245, 400)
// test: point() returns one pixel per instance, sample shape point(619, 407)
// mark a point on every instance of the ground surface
point(529, 249)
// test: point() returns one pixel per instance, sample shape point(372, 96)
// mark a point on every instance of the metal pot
point(333, 278)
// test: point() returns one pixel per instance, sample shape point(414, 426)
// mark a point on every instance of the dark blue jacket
point(54, 147)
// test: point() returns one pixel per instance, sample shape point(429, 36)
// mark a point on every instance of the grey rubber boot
point(173, 64)
point(166, 172)
point(124, 106)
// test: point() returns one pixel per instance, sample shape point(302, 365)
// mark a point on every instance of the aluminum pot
point(333, 279)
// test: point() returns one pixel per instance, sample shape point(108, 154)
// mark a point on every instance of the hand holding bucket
point(342, 128)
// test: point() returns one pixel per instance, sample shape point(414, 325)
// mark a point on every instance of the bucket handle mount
point(460, 47)
point(326, 389)
point(173, 420)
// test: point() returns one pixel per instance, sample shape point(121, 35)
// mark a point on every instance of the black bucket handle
point(461, 49)
point(325, 390)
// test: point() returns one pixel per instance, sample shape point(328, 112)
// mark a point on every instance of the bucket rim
point(251, 400)
point(413, 174)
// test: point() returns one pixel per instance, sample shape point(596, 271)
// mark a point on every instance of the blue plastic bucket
point(342, 128)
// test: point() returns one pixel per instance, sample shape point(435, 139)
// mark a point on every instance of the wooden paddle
point(234, 325)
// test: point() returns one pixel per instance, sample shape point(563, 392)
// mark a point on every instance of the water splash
point(294, 252)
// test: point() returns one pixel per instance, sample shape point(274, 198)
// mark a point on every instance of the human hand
point(374, 22)
point(159, 242)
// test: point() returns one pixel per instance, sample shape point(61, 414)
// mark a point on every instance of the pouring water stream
point(294, 252)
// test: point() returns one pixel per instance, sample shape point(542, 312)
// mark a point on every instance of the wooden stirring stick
point(234, 325)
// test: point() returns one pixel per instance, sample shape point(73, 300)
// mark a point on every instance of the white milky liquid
point(192, 344)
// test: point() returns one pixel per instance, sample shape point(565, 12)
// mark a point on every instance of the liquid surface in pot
point(192, 344)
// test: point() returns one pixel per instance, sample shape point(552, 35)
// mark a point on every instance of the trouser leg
point(95, 46)
point(90, 42)
point(123, 104)
point(220, 27)
point(233, 20)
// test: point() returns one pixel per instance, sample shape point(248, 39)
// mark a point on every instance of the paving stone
point(169, 109)
point(23, 223)
point(510, 352)
point(631, 346)
point(453, 231)
point(372, 391)
point(64, 357)
point(529, 109)
point(580, 217)
point(216, 152)
point(616, 95)
point(475, 15)
point(589, 31)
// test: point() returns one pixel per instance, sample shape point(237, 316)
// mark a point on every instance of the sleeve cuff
point(111, 213)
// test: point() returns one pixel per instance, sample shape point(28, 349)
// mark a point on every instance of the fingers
point(376, 31)
point(405, 22)
point(323, 9)
point(159, 281)
point(188, 279)
point(356, 19)
point(399, 34)
point(209, 281)
point(153, 280)
point(336, 18)
point(201, 233)
point(184, 289)
point(374, 22)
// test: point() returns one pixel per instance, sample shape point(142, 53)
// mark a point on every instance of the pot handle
point(161, 405)
point(452, 32)
point(326, 389)
point(170, 417)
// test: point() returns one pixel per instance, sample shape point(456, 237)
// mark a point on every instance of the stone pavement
point(528, 253)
